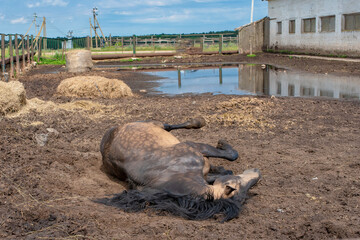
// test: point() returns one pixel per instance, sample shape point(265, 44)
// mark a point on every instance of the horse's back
point(144, 136)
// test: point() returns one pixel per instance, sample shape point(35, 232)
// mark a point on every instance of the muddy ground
point(307, 149)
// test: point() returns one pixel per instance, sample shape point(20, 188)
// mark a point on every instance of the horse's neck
point(185, 184)
point(215, 192)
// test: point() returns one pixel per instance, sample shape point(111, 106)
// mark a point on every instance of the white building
point(315, 26)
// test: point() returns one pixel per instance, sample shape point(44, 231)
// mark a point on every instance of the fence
point(180, 43)
point(18, 51)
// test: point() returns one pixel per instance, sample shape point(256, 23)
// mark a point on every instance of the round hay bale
point(93, 87)
point(79, 61)
point(12, 97)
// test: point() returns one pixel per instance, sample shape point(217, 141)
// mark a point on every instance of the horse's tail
point(188, 207)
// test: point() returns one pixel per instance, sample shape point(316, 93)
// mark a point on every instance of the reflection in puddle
point(250, 79)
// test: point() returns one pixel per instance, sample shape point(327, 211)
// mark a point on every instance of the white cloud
point(206, 1)
point(60, 3)
point(173, 18)
point(136, 3)
point(125, 13)
point(18, 20)
point(2, 16)
point(32, 5)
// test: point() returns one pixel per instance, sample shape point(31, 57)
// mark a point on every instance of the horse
point(172, 176)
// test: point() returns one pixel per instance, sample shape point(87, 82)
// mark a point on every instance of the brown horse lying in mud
point(168, 175)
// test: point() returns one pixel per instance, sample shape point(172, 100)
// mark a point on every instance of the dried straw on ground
point(12, 97)
point(93, 87)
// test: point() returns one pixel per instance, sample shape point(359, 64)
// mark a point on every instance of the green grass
point(130, 60)
point(306, 53)
point(164, 47)
point(215, 47)
point(138, 48)
point(7, 53)
point(53, 60)
point(251, 55)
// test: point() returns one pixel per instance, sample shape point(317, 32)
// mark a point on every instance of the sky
point(128, 17)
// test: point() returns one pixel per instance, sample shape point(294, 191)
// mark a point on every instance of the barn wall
point(253, 33)
point(339, 41)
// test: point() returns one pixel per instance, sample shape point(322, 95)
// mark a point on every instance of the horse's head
point(228, 186)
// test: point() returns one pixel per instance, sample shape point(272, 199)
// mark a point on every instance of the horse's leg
point(194, 123)
point(215, 172)
point(223, 150)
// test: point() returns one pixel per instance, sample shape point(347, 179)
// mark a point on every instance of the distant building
point(315, 26)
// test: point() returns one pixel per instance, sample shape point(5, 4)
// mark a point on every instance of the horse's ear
point(229, 190)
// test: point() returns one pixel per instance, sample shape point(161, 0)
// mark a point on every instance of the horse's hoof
point(198, 122)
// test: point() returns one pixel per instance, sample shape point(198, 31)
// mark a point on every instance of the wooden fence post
point(28, 48)
point(220, 43)
point(134, 45)
point(153, 43)
point(3, 53)
point(32, 49)
point(39, 49)
point(23, 52)
point(17, 56)
point(122, 44)
point(11, 52)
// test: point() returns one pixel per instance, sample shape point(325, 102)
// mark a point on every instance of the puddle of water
point(250, 79)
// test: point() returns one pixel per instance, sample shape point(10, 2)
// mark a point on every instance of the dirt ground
point(308, 151)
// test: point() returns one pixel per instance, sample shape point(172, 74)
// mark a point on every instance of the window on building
point(328, 24)
point(279, 27)
point(352, 22)
point(291, 90)
point(292, 26)
point(326, 93)
point(278, 88)
point(309, 25)
point(308, 92)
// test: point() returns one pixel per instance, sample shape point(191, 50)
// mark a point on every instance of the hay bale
point(79, 61)
point(93, 87)
point(12, 97)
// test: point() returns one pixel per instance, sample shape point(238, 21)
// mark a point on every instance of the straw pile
point(12, 97)
point(247, 113)
point(93, 87)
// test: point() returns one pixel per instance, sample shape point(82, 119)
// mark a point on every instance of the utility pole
point(95, 24)
point(91, 42)
point(44, 34)
point(252, 37)
point(252, 11)
point(34, 21)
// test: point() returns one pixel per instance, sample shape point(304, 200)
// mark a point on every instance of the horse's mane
point(186, 206)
